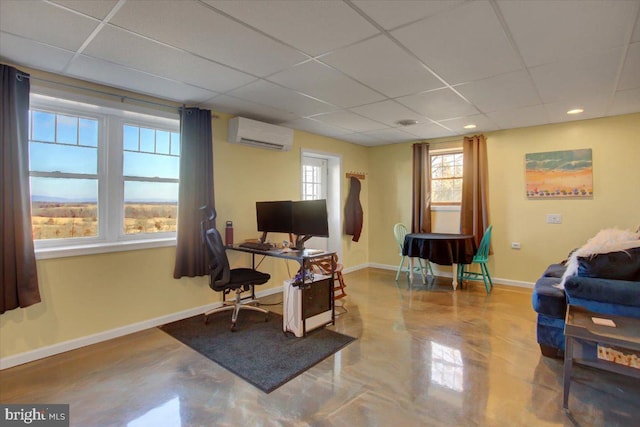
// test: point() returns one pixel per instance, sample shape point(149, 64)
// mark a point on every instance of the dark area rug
point(258, 351)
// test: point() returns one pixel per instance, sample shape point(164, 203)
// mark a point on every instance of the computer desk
point(305, 258)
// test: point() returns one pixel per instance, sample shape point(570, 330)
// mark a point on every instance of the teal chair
point(399, 231)
point(481, 258)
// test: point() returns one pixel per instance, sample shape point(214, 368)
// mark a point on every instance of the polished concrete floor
point(425, 356)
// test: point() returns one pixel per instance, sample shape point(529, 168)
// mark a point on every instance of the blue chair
point(481, 258)
point(399, 231)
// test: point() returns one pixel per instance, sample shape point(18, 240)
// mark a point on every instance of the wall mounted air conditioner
point(260, 134)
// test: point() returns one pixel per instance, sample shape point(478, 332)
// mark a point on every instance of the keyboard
point(256, 246)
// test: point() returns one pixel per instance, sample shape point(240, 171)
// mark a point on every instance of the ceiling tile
point(198, 29)
point(463, 44)
point(349, 121)
point(625, 102)
point(268, 93)
point(510, 90)
point(387, 112)
point(593, 106)
point(428, 131)
point(95, 70)
point(362, 139)
point(439, 104)
point(390, 136)
point(317, 127)
point(313, 27)
point(393, 13)
point(576, 79)
point(380, 63)
point(68, 30)
point(548, 31)
point(250, 110)
point(97, 9)
point(33, 54)
point(520, 117)
point(482, 122)
point(324, 83)
point(630, 77)
point(162, 60)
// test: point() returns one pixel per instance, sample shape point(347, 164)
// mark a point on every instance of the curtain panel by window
point(196, 190)
point(421, 201)
point(19, 286)
point(474, 209)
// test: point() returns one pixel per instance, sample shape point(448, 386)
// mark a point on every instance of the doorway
point(320, 179)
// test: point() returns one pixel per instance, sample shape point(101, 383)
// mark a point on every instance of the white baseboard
point(445, 271)
point(51, 350)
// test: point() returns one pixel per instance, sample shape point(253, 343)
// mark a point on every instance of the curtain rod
point(115, 95)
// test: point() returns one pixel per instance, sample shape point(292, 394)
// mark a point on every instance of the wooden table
point(582, 337)
point(442, 249)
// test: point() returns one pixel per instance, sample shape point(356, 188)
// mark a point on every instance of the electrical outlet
point(554, 218)
point(515, 245)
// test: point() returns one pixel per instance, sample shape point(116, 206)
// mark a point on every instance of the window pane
point(67, 129)
point(45, 157)
point(151, 165)
point(147, 140)
point(89, 132)
point(130, 137)
point(150, 207)
point(64, 208)
point(175, 143)
point(162, 142)
point(44, 126)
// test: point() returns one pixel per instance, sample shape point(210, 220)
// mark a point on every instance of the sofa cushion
point(548, 299)
point(555, 270)
point(621, 265)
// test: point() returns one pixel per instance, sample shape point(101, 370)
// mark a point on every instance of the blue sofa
point(605, 283)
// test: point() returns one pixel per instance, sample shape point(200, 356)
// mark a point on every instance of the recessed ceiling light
point(407, 122)
point(470, 126)
point(575, 111)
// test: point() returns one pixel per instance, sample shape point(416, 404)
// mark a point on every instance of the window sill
point(101, 248)
point(452, 208)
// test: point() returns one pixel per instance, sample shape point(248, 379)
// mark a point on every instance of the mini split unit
point(259, 134)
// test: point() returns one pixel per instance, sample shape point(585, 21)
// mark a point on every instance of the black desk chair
point(224, 279)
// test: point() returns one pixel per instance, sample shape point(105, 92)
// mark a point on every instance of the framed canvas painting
point(559, 174)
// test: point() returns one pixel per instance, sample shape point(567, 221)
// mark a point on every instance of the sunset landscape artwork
point(559, 174)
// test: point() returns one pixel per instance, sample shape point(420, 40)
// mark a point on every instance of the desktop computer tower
point(307, 307)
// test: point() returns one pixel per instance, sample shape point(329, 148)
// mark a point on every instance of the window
point(446, 178)
point(101, 175)
point(314, 178)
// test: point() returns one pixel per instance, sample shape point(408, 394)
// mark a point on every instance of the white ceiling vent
point(260, 134)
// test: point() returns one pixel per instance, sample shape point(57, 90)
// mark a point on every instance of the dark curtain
point(19, 287)
point(196, 190)
point(474, 209)
point(421, 202)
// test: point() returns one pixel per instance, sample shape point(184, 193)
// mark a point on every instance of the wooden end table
point(582, 337)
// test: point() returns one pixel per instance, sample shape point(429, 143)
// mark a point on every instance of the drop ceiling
point(347, 69)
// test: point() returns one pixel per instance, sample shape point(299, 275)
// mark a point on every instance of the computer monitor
point(309, 220)
point(274, 217)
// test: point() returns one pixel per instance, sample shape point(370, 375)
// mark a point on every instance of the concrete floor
point(424, 356)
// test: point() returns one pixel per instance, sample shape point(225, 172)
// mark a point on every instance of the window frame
point(444, 206)
point(110, 175)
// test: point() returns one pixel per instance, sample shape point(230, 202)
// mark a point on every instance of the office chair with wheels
point(399, 231)
point(224, 279)
point(481, 258)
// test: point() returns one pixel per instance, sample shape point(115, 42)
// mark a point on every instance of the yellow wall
point(615, 142)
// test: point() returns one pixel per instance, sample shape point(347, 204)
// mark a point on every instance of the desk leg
point(568, 365)
point(454, 270)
